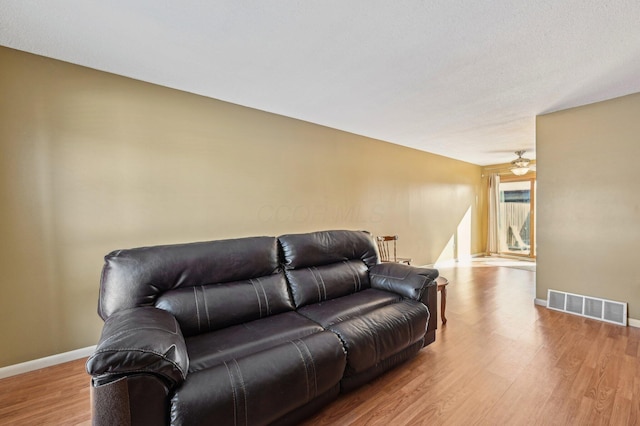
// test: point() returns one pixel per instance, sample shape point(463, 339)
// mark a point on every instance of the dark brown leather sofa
point(251, 331)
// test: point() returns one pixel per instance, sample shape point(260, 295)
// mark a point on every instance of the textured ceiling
point(460, 78)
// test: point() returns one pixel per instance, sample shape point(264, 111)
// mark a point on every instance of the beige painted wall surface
point(93, 162)
point(589, 201)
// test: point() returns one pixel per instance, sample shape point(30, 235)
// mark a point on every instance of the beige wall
point(93, 162)
point(589, 201)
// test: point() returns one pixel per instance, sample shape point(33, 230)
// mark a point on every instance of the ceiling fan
point(520, 166)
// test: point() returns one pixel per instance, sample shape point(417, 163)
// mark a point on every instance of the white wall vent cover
point(586, 306)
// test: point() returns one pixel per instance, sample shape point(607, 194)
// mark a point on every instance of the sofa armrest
point(405, 280)
point(143, 340)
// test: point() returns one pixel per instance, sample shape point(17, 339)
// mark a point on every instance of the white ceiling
point(460, 78)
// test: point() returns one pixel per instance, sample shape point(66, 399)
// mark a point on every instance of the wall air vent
point(586, 306)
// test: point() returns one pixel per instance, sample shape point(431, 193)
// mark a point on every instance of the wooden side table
point(442, 283)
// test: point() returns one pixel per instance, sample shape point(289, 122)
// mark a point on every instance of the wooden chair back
point(388, 250)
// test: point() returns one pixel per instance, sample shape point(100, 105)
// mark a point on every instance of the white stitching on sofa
point(313, 367)
point(306, 370)
point(396, 277)
point(233, 394)
point(159, 354)
point(266, 299)
point(358, 284)
point(315, 279)
point(195, 296)
point(255, 289)
point(206, 308)
point(321, 282)
point(244, 392)
point(129, 330)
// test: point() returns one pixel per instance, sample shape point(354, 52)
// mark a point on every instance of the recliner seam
point(233, 393)
point(304, 363)
point(195, 296)
point(206, 308)
point(266, 298)
point(244, 391)
point(258, 297)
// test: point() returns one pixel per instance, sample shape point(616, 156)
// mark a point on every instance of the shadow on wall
point(459, 245)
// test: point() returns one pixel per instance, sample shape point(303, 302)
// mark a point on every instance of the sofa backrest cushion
point(319, 283)
point(205, 308)
point(329, 264)
point(208, 271)
point(326, 247)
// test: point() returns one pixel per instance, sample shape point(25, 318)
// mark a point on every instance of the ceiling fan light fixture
point(519, 171)
point(520, 166)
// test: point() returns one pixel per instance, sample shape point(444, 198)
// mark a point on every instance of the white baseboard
point(36, 364)
point(632, 322)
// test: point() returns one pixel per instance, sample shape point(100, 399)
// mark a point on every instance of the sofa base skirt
point(350, 383)
point(130, 401)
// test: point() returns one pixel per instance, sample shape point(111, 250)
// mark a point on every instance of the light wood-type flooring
point(499, 360)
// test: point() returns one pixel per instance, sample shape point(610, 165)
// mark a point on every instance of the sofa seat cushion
point(343, 308)
point(261, 387)
point(210, 349)
point(375, 336)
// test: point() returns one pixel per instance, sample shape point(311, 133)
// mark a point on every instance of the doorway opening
point(516, 217)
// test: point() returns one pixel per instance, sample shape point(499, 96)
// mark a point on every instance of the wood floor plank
point(56, 395)
point(500, 359)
